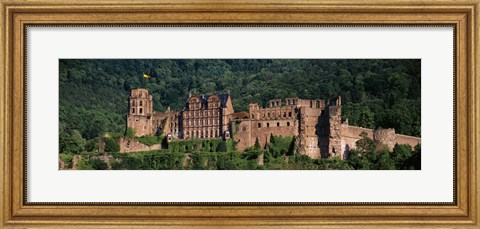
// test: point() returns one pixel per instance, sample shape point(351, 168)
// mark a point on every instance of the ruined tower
point(335, 130)
point(140, 112)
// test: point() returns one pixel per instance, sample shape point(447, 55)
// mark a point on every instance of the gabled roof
point(204, 99)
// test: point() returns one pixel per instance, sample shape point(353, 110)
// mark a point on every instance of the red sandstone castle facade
point(316, 124)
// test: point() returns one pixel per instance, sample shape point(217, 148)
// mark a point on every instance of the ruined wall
point(250, 130)
point(384, 138)
point(312, 132)
point(409, 140)
point(142, 124)
point(128, 145)
point(335, 123)
point(350, 135)
point(381, 137)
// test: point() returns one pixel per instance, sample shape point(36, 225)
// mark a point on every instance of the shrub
point(111, 145)
point(98, 164)
point(150, 140)
point(130, 133)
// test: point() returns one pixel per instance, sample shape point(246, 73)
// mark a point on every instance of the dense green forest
point(94, 92)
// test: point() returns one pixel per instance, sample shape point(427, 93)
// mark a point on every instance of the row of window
point(140, 103)
point(268, 125)
point(196, 106)
point(200, 114)
point(203, 134)
point(274, 115)
point(201, 122)
point(140, 111)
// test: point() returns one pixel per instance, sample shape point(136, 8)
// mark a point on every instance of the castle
point(316, 124)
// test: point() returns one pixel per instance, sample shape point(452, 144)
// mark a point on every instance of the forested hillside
point(375, 93)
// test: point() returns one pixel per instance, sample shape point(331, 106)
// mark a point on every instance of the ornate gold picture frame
point(17, 15)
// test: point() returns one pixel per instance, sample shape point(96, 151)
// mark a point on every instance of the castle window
point(288, 123)
point(311, 104)
point(244, 128)
point(253, 116)
point(133, 102)
point(290, 114)
point(278, 124)
point(140, 102)
point(133, 110)
point(284, 114)
point(318, 104)
point(321, 113)
point(144, 127)
point(268, 124)
point(268, 114)
point(140, 110)
point(259, 125)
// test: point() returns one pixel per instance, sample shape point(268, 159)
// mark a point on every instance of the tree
point(365, 144)
point(98, 164)
point(257, 144)
point(111, 145)
point(130, 132)
point(385, 162)
point(222, 147)
point(401, 156)
point(72, 142)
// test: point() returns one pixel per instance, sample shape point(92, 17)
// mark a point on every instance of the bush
point(111, 145)
point(150, 140)
point(280, 146)
point(98, 164)
point(66, 157)
point(130, 133)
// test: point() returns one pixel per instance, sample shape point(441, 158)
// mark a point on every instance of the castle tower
point(140, 112)
point(335, 130)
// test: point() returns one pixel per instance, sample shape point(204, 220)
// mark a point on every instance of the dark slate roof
point(223, 99)
point(204, 99)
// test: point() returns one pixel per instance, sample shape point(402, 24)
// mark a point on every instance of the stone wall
point(247, 131)
point(312, 132)
point(335, 124)
point(381, 137)
point(128, 145)
point(350, 135)
point(409, 140)
point(384, 138)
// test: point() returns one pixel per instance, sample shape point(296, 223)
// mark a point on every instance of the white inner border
point(434, 183)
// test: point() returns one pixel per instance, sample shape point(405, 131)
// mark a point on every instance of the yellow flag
point(146, 76)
